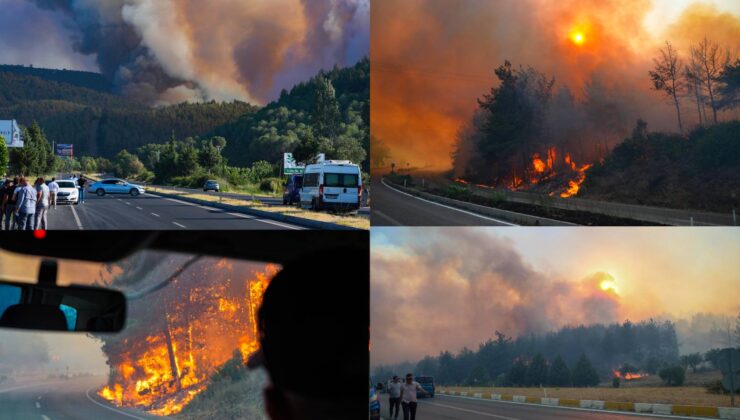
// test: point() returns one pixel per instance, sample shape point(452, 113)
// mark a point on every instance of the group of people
point(23, 206)
point(404, 394)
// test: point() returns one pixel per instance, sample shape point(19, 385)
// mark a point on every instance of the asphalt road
point(391, 207)
point(450, 408)
point(71, 399)
point(150, 211)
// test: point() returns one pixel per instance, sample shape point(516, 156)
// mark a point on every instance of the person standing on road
point(42, 203)
point(81, 181)
point(408, 397)
point(9, 203)
point(25, 208)
point(53, 190)
point(394, 396)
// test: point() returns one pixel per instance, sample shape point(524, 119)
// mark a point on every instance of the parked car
point(427, 384)
point(333, 184)
point(292, 191)
point(115, 186)
point(211, 185)
point(68, 192)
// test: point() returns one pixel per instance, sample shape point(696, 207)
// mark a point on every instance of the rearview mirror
point(47, 306)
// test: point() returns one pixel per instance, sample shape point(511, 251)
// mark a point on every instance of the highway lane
point(72, 399)
point(391, 207)
point(450, 408)
point(149, 211)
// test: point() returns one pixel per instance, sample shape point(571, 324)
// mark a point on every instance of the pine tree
point(559, 373)
point(517, 374)
point(326, 116)
point(537, 371)
point(584, 373)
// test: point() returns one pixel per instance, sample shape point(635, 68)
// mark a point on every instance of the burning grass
point(178, 337)
point(351, 221)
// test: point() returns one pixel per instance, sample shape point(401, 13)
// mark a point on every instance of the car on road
point(68, 192)
point(427, 384)
point(292, 191)
point(211, 185)
point(332, 184)
point(115, 186)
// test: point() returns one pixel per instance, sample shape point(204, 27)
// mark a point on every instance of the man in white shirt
point(53, 190)
point(408, 397)
point(394, 396)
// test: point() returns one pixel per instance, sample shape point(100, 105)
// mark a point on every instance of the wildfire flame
point(629, 375)
point(204, 327)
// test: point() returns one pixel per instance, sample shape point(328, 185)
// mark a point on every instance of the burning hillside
point(176, 338)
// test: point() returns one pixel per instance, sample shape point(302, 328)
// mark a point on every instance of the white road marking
point(45, 417)
point(624, 413)
point(77, 218)
point(38, 405)
point(128, 204)
point(139, 208)
point(480, 413)
point(111, 408)
point(382, 181)
point(211, 209)
point(272, 222)
point(154, 214)
point(182, 226)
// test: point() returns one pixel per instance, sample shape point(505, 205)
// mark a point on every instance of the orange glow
point(609, 285)
point(578, 38)
point(628, 376)
point(163, 372)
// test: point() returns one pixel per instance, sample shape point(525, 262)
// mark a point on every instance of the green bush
point(673, 375)
point(271, 185)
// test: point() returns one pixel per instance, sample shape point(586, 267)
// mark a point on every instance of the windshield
point(190, 325)
point(66, 184)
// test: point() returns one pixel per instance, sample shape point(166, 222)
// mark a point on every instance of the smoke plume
point(165, 51)
point(433, 58)
point(444, 293)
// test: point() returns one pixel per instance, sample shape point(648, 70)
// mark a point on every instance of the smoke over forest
point(430, 67)
point(164, 51)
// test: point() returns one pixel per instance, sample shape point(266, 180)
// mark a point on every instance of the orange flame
point(629, 375)
point(163, 372)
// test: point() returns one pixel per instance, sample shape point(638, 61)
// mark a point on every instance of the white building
point(12, 134)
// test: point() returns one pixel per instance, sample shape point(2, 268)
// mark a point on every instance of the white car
point(68, 192)
point(332, 184)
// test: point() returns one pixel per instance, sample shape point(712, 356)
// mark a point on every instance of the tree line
point(571, 356)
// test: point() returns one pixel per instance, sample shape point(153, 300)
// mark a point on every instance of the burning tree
point(177, 337)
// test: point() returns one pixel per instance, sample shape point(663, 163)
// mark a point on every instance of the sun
point(609, 285)
point(578, 38)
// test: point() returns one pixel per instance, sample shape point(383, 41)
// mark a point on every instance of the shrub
point(673, 375)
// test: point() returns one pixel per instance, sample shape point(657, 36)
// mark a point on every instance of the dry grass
point(687, 395)
point(351, 221)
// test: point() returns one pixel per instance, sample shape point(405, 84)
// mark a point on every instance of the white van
point(332, 184)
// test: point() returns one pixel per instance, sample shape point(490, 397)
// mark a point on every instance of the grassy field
point(351, 221)
point(644, 390)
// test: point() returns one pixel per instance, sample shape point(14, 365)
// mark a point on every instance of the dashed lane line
point(182, 226)
point(155, 214)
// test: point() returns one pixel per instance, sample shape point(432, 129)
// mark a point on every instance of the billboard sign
point(11, 133)
point(290, 166)
point(65, 149)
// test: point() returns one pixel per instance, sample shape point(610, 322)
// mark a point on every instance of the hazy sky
point(438, 289)
point(166, 51)
point(432, 59)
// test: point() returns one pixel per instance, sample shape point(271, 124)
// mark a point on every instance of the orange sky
point(431, 59)
point(434, 290)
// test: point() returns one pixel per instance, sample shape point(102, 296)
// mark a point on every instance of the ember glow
point(629, 375)
point(209, 316)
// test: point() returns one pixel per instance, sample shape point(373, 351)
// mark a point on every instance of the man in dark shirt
point(8, 203)
point(81, 183)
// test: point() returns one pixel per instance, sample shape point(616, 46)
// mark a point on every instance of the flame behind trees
point(177, 337)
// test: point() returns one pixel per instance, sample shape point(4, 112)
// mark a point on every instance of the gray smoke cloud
point(446, 291)
point(164, 51)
